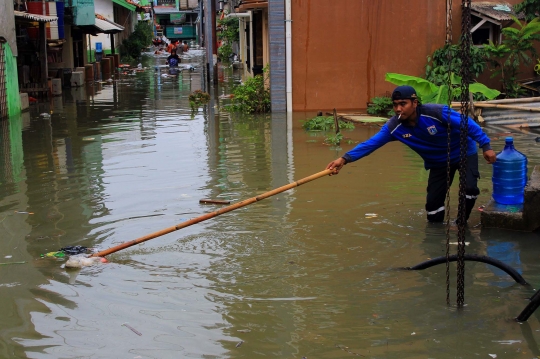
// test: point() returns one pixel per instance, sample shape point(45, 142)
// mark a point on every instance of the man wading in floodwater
point(424, 129)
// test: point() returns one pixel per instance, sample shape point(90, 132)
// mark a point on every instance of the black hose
point(474, 258)
point(530, 308)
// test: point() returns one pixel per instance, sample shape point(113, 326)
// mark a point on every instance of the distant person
point(179, 48)
point(185, 47)
point(173, 60)
point(424, 129)
point(171, 47)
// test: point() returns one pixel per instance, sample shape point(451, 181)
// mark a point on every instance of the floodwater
point(303, 274)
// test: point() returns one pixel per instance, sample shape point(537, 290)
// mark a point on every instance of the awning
point(35, 17)
point(108, 27)
point(102, 26)
point(125, 4)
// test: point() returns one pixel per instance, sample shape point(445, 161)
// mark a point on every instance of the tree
point(139, 39)
point(530, 8)
point(516, 48)
point(229, 33)
point(438, 67)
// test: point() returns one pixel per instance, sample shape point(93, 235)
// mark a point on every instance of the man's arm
point(475, 132)
point(362, 150)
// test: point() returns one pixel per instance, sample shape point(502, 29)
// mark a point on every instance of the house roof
point(495, 10)
point(34, 17)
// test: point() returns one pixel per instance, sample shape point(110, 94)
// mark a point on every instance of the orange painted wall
point(342, 49)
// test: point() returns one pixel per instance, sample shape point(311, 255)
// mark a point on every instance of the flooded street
point(302, 274)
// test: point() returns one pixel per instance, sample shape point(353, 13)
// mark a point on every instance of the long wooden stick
point(509, 101)
point(508, 107)
point(232, 207)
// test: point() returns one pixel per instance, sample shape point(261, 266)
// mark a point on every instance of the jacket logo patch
point(407, 135)
point(432, 130)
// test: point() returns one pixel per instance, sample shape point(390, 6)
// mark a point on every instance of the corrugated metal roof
point(499, 10)
point(35, 17)
point(108, 27)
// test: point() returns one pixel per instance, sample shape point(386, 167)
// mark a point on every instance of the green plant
point(345, 125)
point(228, 34)
point(319, 123)
point(197, 98)
point(431, 93)
point(530, 8)
point(438, 67)
point(325, 123)
point(139, 39)
point(380, 105)
point(252, 96)
point(334, 139)
point(517, 48)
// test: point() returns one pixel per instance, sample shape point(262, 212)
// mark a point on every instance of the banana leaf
point(440, 96)
point(422, 87)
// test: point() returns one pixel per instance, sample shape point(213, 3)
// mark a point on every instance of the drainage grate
point(3, 94)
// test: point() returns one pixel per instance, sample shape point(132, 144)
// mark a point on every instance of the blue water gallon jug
point(509, 175)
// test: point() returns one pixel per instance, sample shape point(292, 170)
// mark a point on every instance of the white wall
point(104, 8)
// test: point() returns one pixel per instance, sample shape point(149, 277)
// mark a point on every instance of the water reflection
point(301, 274)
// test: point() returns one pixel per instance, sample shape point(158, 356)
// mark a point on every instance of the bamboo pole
point(213, 214)
point(508, 100)
point(507, 107)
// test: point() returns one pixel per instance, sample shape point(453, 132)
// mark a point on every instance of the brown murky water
point(302, 274)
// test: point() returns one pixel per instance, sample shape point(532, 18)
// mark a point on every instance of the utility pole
point(209, 38)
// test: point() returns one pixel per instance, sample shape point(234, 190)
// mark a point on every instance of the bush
point(139, 39)
point(252, 96)
point(325, 123)
point(380, 105)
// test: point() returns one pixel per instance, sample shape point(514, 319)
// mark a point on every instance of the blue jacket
point(428, 138)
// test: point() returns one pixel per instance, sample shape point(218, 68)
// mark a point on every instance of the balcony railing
point(166, 2)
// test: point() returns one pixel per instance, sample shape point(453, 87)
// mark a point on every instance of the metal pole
point(208, 40)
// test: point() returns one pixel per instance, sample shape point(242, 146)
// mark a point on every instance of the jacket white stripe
point(395, 128)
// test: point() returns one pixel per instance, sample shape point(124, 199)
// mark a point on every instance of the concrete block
point(25, 104)
point(525, 217)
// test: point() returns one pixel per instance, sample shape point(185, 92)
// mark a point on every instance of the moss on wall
point(12, 84)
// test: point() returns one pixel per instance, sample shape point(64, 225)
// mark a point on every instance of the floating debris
point(371, 215)
point(23, 212)
point(8, 263)
point(132, 329)
point(73, 250)
point(240, 344)
point(58, 254)
point(214, 201)
point(82, 260)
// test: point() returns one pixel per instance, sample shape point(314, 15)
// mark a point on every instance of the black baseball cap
point(404, 93)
